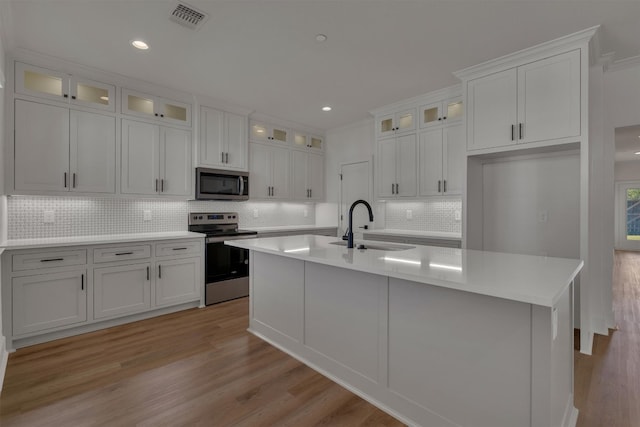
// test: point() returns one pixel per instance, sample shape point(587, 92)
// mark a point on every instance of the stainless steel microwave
point(216, 184)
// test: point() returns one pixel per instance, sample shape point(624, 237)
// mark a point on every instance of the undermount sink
point(378, 246)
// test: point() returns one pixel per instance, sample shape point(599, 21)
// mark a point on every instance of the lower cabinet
point(54, 292)
point(46, 301)
point(123, 289)
point(177, 281)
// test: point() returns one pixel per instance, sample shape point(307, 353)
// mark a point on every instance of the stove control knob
point(200, 217)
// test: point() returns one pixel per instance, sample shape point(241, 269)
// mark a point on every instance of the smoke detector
point(188, 16)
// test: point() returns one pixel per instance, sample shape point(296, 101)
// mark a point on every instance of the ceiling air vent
point(188, 16)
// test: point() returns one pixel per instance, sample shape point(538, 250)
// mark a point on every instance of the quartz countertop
point(413, 233)
point(288, 228)
point(97, 239)
point(524, 278)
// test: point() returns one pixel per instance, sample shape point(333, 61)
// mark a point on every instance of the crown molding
point(427, 98)
point(623, 64)
point(571, 41)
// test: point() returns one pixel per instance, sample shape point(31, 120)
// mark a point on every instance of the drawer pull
point(124, 253)
point(179, 249)
point(159, 271)
point(82, 282)
point(52, 259)
point(147, 273)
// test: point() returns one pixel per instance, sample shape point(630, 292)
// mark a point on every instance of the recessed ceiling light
point(326, 108)
point(104, 98)
point(637, 152)
point(321, 38)
point(139, 44)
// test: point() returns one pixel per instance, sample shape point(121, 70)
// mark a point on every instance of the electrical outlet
point(409, 214)
point(256, 213)
point(543, 216)
point(146, 215)
point(305, 213)
point(49, 217)
point(457, 215)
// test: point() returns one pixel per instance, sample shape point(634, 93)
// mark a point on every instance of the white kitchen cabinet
point(223, 139)
point(307, 175)
point(305, 141)
point(155, 159)
point(441, 112)
point(121, 289)
point(45, 301)
point(57, 149)
point(396, 123)
point(177, 280)
point(269, 169)
point(265, 132)
point(397, 164)
point(534, 102)
point(441, 161)
point(62, 87)
point(155, 107)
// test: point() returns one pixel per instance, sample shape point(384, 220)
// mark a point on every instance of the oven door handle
point(223, 238)
point(241, 185)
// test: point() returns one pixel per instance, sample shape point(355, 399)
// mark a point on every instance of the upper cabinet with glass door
point(305, 141)
point(396, 123)
point(441, 112)
point(62, 87)
point(265, 132)
point(154, 107)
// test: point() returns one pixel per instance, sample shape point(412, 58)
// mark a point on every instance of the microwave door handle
point(241, 185)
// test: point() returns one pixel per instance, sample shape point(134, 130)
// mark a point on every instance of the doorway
point(355, 184)
point(628, 215)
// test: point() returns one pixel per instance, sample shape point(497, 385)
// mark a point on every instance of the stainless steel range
point(227, 268)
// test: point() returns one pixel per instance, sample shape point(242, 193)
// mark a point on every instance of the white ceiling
point(628, 143)
point(262, 54)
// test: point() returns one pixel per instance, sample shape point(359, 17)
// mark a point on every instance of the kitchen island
point(434, 336)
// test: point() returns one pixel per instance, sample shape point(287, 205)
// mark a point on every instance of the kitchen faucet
point(350, 230)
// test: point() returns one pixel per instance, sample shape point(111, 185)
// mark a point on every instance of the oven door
point(226, 271)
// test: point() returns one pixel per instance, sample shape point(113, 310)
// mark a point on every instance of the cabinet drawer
point(48, 259)
point(121, 253)
point(178, 248)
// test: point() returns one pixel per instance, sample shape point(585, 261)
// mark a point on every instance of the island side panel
point(552, 369)
point(463, 356)
point(277, 298)
point(342, 316)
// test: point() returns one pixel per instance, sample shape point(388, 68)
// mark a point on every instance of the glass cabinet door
point(175, 111)
point(300, 139)
point(279, 135)
point(405, 121)
point(454, 109)
point(316, 142)
point(41, 82)
point(386, 126)
point(259, 132)
point(93, 94)
point(137, 104)
point(431, 115)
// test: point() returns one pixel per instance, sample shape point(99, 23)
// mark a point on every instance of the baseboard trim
point(4, 358)
point(586, 342)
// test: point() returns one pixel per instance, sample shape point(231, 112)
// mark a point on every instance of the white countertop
point(97, 239)
point(414, 233)
point(288, 228)
point(524, 278)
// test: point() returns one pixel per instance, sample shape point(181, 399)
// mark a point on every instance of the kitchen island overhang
point(434, 336)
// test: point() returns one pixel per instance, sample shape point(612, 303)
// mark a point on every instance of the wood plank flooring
point(201, 368)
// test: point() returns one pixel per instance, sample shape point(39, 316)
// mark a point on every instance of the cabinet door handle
point(156, 185)
point(156, 114)
point(65, 95)
point(512, 132)
point(178, 249)
point(397, 188)
point(65, 180)
point(52, 259)
point(439, 185)
point(393, 189)
point(73, 97)
point(520, 130)
point(226, 157)
point(159, 271)
point(162, 185)
point(74, 180)
point(444, 186)
point(221, 157)
point(310, 193)
point(82, 282)
point(124, 253)
point(147, 272)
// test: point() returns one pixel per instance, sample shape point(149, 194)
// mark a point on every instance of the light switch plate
point(457, 215)
point(256, 213)
point(146, 215)
point(49, 217)
point(305, 212)
point(409, 214)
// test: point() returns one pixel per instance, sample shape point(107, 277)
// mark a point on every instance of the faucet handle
point(366, 227)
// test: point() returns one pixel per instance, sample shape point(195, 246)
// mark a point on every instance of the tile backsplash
point(81, 216)
point(430, 215)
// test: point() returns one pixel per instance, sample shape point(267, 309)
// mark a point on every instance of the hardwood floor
point(607, 384)
point(201, 367)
